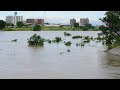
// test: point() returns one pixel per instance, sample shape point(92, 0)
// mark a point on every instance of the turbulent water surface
point(18, 60)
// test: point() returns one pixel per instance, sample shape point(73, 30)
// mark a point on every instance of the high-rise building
point(84, 21)
point(72, 22)
point(13, 19)
point(19, 18)
point(9, 19)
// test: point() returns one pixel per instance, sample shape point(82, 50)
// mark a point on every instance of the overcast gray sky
point(57, 16)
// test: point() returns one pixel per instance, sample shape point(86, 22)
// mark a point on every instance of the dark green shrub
point(36, 40)
point(37, 28)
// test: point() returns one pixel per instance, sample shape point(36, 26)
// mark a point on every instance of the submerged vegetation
point(68, 43)
point(36, 40)
point(74, 37)
point(57, 39)
point(15, 40)
point(67, 34)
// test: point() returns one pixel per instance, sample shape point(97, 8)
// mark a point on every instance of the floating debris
point(15, 40)
point(68, 50)
point(62, 52)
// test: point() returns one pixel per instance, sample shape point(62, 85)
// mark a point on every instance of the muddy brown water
point(18, 60)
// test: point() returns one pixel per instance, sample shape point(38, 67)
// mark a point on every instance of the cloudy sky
point(57, 16)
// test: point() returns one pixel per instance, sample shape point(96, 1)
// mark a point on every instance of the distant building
point(19, 18)
point(84, 21)
point(13, 19)
point(9, 19)
point(40, 21)
point(72, 22)
point(30, 21)
point(35, 21)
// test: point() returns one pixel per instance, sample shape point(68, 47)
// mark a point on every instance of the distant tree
point(61, 26)
point(37, 27)
point(12, 24)
point(85, 28)
point(2, 24)
point(89, 26)
point(8, 24)
point(20, 24)
point(76, 25)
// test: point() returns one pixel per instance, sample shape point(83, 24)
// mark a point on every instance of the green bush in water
point(67, 34)
point(36, 40)
point(86, 41)
point(82, 44)
point(48, 40)
point(68, 43)
point(57, 39)
point(74, 37)
point(91, 38)
point(15, 40)
point(87, 37)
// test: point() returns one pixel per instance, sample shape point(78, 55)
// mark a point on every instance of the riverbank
point(115, 51)
point(49, 28)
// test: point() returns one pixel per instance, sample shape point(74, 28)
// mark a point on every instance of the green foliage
point(74, 37)
point(68, 43)
point(89, 26)
point(37, 27)
point(61, 26)
point(76, 25)
point(9, 29)
point(2, 24)
point(9, 24)
point(67, 34)
point(112, 30)
point(57, 39)
point(20, 24)
point(48, 40)
point(112, 21)
point(36, 40)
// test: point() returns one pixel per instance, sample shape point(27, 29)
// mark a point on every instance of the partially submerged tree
point(36, 40)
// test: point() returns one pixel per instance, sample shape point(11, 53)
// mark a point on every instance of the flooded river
point(18, 60)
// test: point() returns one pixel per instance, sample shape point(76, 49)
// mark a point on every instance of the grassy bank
point(18, 29)
point(49, 28)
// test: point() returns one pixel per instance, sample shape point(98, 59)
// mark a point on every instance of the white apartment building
point(13, 19)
